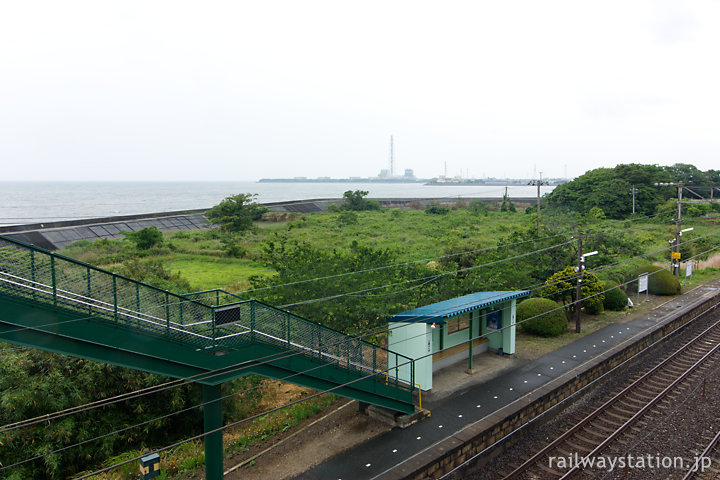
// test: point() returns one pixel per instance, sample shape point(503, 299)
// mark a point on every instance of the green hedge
point(615, 299)
point(660, 281)
point(550, 324)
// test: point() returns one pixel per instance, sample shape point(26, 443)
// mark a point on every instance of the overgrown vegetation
point(349, 269)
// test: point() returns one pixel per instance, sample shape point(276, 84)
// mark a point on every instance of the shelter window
point(493, 320)
point(458, 323)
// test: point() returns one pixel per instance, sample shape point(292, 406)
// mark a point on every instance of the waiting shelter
point(444, 333)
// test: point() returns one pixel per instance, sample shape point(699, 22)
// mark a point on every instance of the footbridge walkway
point(59, 304)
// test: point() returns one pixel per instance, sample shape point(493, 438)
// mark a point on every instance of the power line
point(224, 427)
point(266, 412)
point(628, 282)
point(532, 288)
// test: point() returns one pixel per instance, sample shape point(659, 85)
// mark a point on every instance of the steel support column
point(212, 419)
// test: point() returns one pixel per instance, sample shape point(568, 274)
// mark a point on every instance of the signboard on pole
point(642, 286)
point(688, 269)
point(676, 255)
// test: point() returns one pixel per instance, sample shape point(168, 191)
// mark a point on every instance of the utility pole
point(678, 227)
point(633, 191)
point(578, 291)
point(538, 183)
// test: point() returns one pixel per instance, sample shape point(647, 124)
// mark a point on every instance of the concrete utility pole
point(678, 227)
point(578, 291)
point(580, 269)
point(633, 192)
point(538, 183)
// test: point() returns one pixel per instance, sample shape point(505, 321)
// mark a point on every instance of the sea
point(36, 202)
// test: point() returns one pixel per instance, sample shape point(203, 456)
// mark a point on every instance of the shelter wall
point(413, 340)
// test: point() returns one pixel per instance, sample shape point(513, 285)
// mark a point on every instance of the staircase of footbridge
point(55, 303)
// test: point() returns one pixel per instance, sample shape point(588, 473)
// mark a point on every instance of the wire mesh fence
point(212, 319)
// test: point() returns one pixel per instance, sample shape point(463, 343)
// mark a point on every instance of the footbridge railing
point(212, 320)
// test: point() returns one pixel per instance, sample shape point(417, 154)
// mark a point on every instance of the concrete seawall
point(57, 235)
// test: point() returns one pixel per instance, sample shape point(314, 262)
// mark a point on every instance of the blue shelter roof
point(437, 312)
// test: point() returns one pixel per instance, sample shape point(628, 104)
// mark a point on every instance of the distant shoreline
point(344, 180)
point(443, 182)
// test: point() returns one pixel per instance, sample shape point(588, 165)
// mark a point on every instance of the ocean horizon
point(32, 202)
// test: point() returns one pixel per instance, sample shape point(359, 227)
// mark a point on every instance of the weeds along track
point(623, 416)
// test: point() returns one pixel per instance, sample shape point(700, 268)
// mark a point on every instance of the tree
point(146, 238)
point(382, 292)
point(507, 204)
point(611, 189)
point(356, 201)
point(35, 383)
point(236, 213)
point(561, 287)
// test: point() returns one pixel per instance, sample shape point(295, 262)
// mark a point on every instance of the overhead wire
point(692, 240)
point(530, 287)
point(224, 427)
point(339, 386)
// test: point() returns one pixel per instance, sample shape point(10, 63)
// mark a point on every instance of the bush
point(236, 213)
point(437, 209)
point(146, 238)
point(356, 201)
point(478, 207)
point(333, 208)
point(549, 324)
point(660, 281)
point(347, 218)
point(154, 273)
point(232, 246)
point(594, 305)
point(615, 299)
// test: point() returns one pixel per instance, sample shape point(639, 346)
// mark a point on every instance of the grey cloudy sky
point(239, 90)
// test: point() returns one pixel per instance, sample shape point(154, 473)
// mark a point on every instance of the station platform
point(475, 398)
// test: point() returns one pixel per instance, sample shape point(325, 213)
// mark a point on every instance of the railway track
point(621, 417)
point(709, 454)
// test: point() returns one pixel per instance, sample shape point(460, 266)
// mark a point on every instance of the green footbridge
point(58, 304)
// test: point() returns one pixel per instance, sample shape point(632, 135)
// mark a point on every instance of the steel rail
point(587, 419)
point(643, 410)
point(705, 454)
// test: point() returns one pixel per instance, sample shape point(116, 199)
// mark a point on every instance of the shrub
point(154, 273)
point(236, 213)
point(232, 246)
point(333, 208)
point(594, 305)
point(146, 238)
point(356, 201)
point(615, 298)
point(478, 207)
point(660, 281)
point(347, 218)
point(437, 209)
point(551, 321)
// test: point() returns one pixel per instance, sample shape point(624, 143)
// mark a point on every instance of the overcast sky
point(239, 90)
